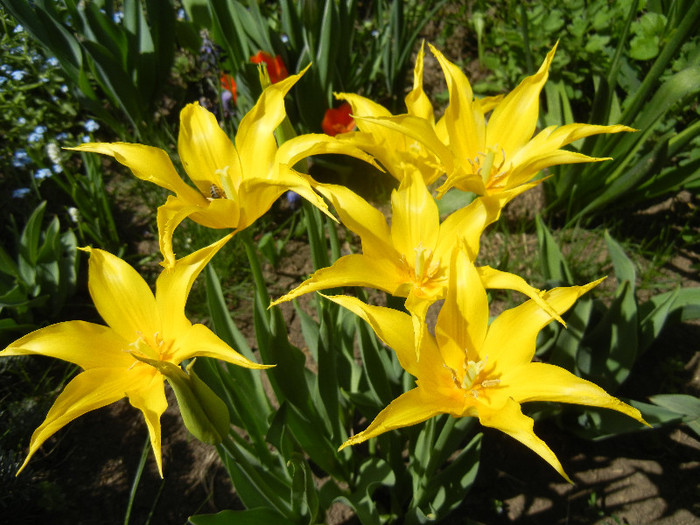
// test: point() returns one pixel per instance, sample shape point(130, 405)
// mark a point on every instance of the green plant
point(39, 279)
point(128, 53)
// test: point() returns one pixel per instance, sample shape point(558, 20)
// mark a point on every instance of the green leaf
point(624, 267)
point(554, 266)
point(242, 517)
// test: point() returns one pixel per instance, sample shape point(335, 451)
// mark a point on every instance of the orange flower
point(275, 67)
point(229, 84)
point(338, 120)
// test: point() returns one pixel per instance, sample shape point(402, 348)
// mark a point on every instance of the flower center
point(424, 269)
point(221, 186)
point(474, 378)
point(154, 347)
point(485, 165)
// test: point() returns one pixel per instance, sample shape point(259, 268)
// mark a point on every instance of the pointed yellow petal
point(349, 270)
point(417, 305)
point(463, 319)
point(200, 341)
point(204, 147)
point(87, 391)
point(464, 123)
point(361, 218)
point(467, 224)
point(174, 284)
point(497, 279)
point(87, 345)
point(219, 213)
point(514, 120)
point(121, 296)
point(545, 382)
point(510, 420)
point(415, 219)
point(149, 398)
point(147, 163)
point(512, 336)
point(410, 408)
point(417, 102)
point(391, 326)
point(255, 139)
point(298, 148)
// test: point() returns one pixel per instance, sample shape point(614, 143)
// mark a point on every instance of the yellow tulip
point(471, 368)
point(235, 184)
point(411, 257)
point(489, 156)
point(140, 327)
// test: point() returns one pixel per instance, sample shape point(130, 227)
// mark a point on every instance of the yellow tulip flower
point(411, 257)
point(140, 327)
point(492, 155)
point(476, 369)
point(234, 184)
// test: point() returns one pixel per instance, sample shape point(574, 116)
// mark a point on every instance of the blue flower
point(56, 168)
point(18, 75)
point(64, 88)
point(91, 126)
point(85, 138)
point(20, 193)
point(21, 121)
point(3, 79)
point(42, 173)
point(21, 159)
point(294, 199)
point(37, 134)
point(18, 29)
point(52, 61)
point(181, 15)
point(62, 136)
point(118, 16)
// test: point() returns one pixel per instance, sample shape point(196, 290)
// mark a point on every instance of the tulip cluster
point(466, 365)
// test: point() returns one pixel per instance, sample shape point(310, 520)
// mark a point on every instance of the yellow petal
point(298, 148)
point(121, 296)
point(361, 218)
point(514, 120)
point(174, 284)
point(510, 420)
point(418, 129)
point(497, 279)
point(467, 224)
point(87, 391)
point(147, 163)
point(219, 213)
point(87, 345)
point(255, 139)
point(417, 102)
point(408, 409)
point(350, 270)
point(545, 382)
point(463, 319)
point(512, 336)
point(417, 305)
point(200, 341)
point(204, 148)
point(391, 326)
point(415, 220)
point(465, 125)
point(149, 398)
